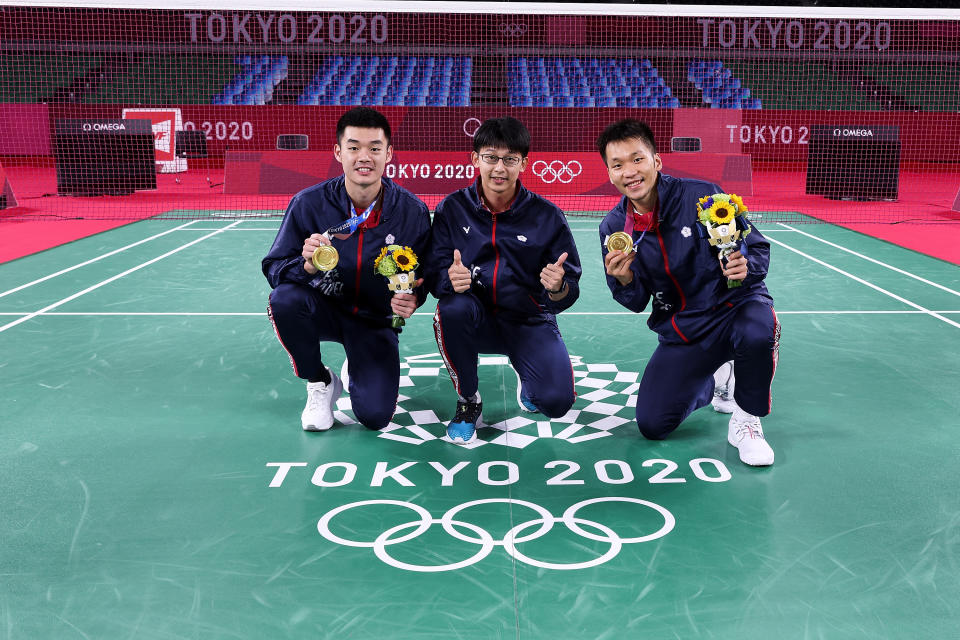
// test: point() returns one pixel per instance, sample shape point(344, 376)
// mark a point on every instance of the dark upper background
point(887, 4)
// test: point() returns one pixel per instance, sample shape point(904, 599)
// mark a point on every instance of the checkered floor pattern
point(605, 401)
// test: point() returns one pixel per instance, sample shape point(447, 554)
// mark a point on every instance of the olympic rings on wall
point(460, 530)
point(512, 29)
point(556, 171)
point(470, 126)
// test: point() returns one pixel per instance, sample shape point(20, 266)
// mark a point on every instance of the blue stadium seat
point(255, 82)
point(586, 82)
point(721, 89)
point(391, 80)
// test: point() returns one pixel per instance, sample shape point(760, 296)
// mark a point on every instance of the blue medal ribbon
point(352, 222)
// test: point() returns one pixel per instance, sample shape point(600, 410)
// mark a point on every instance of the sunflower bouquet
point(397, 264)
point(719, 213)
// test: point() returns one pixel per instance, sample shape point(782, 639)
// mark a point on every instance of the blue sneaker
point(463, 428)
point(525, 403)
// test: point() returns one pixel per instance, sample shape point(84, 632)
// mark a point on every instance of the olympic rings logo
point(557, 171)
point(515, 536)
point(512, 29)
point(470, 126)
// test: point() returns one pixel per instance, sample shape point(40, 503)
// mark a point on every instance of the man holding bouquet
point(712, 312)
point(326, 286)
point(504, 263)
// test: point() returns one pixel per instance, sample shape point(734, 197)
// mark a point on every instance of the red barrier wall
point(441, 172)
point(24, 130)
point(763, 134)
point(7, 197)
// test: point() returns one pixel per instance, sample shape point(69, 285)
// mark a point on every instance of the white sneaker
point(321, 400)
point(746, 434)
point(723, 385)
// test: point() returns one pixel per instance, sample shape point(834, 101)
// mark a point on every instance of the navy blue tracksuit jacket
point(353, 285)
point(678, 271)
point(701, 323)
point(350, 304)
point(506, 309)
point(505, 251)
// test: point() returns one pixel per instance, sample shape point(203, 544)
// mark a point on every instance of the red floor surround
point(43, 219)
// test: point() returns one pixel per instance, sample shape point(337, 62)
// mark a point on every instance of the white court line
point(429, 314)
point(111, 279)
point(572, 228)
point(595, 229)
point(123, 314)
point(869, 284)
point(877, 262)
point(92, 260)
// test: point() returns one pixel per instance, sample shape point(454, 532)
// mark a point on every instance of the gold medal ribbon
point(325, 257)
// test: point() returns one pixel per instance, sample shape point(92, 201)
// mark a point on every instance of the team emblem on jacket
point(660, 303)
point(685, 232)
point(466, 229)
point(390, 238)
point(522, 238)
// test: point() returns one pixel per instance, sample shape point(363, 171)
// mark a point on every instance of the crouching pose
point(707, 330)
point(504, 264)
point(358, 214)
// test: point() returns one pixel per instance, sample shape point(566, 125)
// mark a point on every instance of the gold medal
point(619, 241)
point(325, 257)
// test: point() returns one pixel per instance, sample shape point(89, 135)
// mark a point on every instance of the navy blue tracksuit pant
point(303, 319)
point(679, 377)
point(465, 328)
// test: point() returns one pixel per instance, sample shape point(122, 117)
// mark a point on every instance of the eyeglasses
point(508, 161)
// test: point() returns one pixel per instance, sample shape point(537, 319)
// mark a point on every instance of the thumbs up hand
point(459, 274)
point(551, 277)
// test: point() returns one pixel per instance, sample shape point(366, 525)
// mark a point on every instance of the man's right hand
point(459, 274)
point(617, 264)
point(309, 246)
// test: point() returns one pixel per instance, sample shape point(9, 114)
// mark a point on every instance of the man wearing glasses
point(503, 263)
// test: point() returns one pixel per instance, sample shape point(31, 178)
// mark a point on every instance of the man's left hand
point(736, 268)
point(404, 304)
point(551, 277)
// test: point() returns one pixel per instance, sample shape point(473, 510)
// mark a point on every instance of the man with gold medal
point(713, 316)
point(325, 288)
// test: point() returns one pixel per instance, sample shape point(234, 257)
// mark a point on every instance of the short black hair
point(626, 129)
point(364, 118)
point(503, 132)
